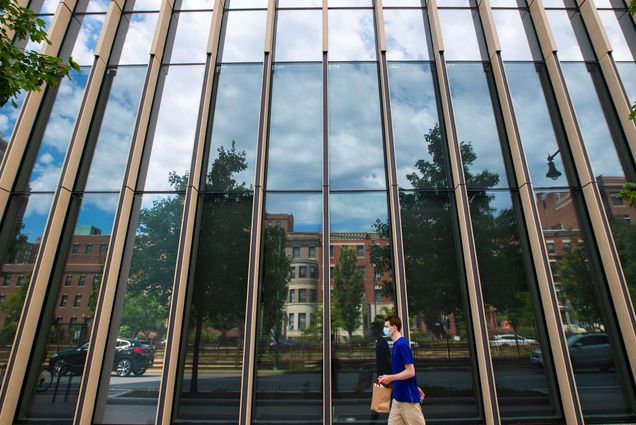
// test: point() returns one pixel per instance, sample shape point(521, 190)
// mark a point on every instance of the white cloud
point(244, 37)
point(136, 48)
point(459, 35)
point(351, 35)
point(406, 37)
point(191, 37)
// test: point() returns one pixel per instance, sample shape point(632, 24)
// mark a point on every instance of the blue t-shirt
point(405, 391)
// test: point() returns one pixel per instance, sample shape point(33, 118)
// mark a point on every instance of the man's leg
point(412, 414)
point(395, 415)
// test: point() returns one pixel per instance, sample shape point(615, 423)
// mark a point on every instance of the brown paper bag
point(381, 399)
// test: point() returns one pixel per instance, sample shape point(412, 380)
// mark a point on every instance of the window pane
point(591, 118)
point(627, 73)
point(8, 117)
point(244, 4)
point(295, 139)
point(406, 34)
point(236, 114)
point(403, 3)
point(358, 219)
point(570, 36)
point(244, 37)
point(288, 384)
point(438, 313)
point(298, 35)
point(145, 303)
point(57, 133)
point(510, 296)
point(619, 28)
point(187, 39)
point(535, 126)
point(213, 345)
point(173, 138)
point(25, 219)
point(462, 34)
point(350, 3)
point(476, 126)
point(57, 363)
point(134, 35)
point(142, 5)
point(123, 88)
point(351, 35)
point(516, 35)
point(194, 4)
point(419, 146)
point(87, 37)
point(299, 3)
point(601, 372)
point(356, 155)
point(44, 6)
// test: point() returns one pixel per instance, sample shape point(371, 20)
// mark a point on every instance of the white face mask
point(387, 332)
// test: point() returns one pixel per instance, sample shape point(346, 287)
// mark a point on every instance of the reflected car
point(586, 350)
point(131, 356)
point(511, 340)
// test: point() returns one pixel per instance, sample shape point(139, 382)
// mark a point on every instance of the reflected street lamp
point(552, 173)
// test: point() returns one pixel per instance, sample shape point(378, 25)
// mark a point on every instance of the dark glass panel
point(212, 350)
point(535, 126)
point(602, 378)
point(235, 122)
point(356, 155)
point(351, 35)
point(476, 126)
point(57, 130)
point(357, 317)
point(25, 219)
point(298, 35)
point(141, 316)
point(172, 138)
point(295, 138)
point(406, 34)
point(288, 385)
point(114, 127)
point(57, 363)
point(419, 146)
point(187, 39)
point(510, 297)
point(438, 315)
point(244, 39)
point(462, 34)
point(134, 35)
point(592, 122)
point(570, 35)
point(516, 35)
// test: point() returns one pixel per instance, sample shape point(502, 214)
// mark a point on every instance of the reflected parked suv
point(131, 356)
point(586, 350)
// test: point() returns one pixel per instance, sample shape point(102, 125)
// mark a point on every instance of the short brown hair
point(394, 321)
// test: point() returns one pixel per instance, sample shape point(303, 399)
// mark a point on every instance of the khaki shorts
point(406, 413)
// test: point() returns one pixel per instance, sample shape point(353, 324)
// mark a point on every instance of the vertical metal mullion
point(258, 209)
point(17, 146)
point(168, 387)
point(95, 377)
point(327, 366)
point(399, 273)
point(603, 51)
point(548, 298)
point(47, 258)
point(617, 285)
point(476, 302)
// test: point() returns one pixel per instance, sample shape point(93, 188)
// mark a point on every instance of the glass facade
point(209, 222)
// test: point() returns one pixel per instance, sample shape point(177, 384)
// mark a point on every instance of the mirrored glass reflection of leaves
point(348, 289)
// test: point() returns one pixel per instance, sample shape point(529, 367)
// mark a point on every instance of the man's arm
point(408, 372)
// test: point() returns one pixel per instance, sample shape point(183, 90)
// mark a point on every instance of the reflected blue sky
point(356, 154)
point(414, 114)
point(173, 136)
point(295, 141)
point(406, 36)
point(306, 209)
point(190, 41)
point(98, 211)
point(142, 5)
point(135, 37)
point(35, 215)
point(474, 118)
point(84, 48)
point(115, 134)
point(58, 132)
point(48, 19)
point(596, 135)
point(236, 115)
point(534, 123)
point(357, 212)
point(9, 115)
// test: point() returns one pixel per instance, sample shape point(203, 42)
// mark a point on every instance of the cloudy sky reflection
point(357, 212)
point(190, 40)
point(306, 209)
point(295, 140)
point(351, 35)
point(406, 36)
point(134, 39)
point(356, 155)
point(298, 35)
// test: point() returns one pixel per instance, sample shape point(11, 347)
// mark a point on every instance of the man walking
point(405, 408)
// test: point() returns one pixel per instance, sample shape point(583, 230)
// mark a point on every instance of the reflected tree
point(579, 284)
point(348, 290)
point(624, 233)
